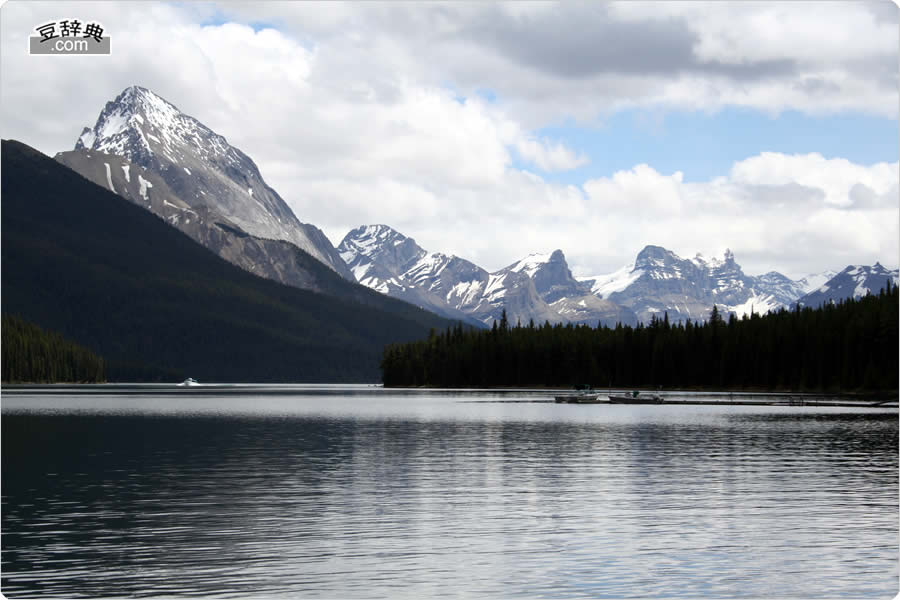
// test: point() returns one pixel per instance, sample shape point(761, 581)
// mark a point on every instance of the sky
point(496, 130)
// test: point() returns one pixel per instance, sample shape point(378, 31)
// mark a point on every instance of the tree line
point(33, 355)
point(841, 347)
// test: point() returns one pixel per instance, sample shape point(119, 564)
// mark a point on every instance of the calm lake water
point(352, 491)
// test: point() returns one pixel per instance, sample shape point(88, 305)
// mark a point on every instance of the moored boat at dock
point(583, 398)
point(635, 398)
point(584, 395)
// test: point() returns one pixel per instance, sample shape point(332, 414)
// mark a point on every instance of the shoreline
point(648, 389)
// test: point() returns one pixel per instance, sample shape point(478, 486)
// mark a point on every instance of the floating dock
point(781, 401)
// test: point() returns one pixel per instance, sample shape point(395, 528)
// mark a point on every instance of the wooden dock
point(786, 402)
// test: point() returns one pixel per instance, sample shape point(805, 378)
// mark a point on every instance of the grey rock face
point(201, 171)
point(853, 282)
point(784, 290)
point(273, 259)
point(665, 283)
point(378, 251)
point(662, 282)
point(569, 298)
point(591, 310)
point(551, 275)
point(392, 263)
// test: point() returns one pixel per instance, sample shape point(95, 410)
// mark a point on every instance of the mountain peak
point(150, 131)
point(536, 261)
point(377, 230)
point(379, 244)
point(133, 96)
point(368, 240)
point(551, 275)
point(655, 256)
point(854, 281)
point(200, 168)
point(651, 250)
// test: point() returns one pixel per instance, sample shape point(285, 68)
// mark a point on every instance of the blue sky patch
point(704, 145)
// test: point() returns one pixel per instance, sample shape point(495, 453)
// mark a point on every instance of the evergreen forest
point(33, 355)
point(850, 346)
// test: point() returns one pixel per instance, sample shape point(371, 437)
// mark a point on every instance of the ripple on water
point(329, 496)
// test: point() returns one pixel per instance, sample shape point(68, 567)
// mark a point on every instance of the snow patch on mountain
point(145, 185)
point(603, 285)
point(109, 177)
point(530, 264)
point(815, 281)
point(758, 304)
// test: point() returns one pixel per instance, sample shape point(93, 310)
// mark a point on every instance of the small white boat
point(188, 382)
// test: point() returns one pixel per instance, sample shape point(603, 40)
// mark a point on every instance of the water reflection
point(336, 496)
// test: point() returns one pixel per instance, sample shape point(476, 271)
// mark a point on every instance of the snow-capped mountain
point(814, 281)
point(571, 299)
point(380, 258)
point(660, 281)
point(180, 169)
point(541, 286)
point(482, 295)
point(551, 275)
point(377, 253)
point(389, 262)
point(853, 282)
point(386, 260)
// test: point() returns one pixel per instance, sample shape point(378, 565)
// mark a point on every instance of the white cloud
point(360, 113)
point(834, 177)
point(549, 156)
point(794, 213)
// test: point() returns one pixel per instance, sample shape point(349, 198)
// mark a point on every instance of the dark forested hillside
point(849, 346)
point(113, 277)
point(32, 355)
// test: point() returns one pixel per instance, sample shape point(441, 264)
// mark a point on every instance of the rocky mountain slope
point(145, 149)
point(571, 299)
point(853, 282)
point(538, 288)
point(660, 281)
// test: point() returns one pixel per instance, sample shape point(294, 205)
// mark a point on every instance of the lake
point(361, 492)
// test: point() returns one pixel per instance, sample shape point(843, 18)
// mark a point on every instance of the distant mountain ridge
point(541, 287)
point(660, 281)
point(388, 261)
point(854, 281)
point(145, 149)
